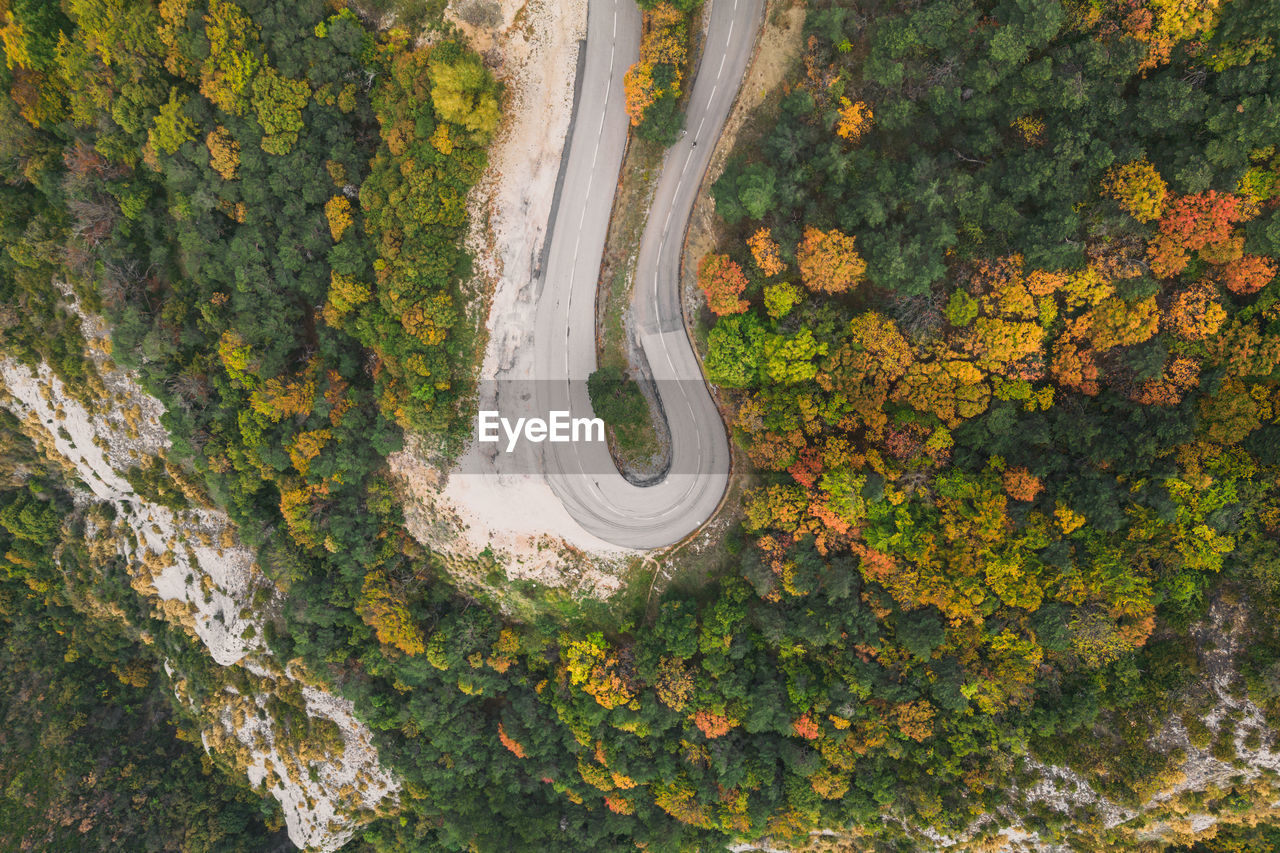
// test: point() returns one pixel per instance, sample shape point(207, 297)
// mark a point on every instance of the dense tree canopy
point(994, 320)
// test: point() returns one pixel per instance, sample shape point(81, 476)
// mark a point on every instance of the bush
point(616, 398)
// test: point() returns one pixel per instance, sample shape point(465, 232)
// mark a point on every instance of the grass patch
point(636, 444)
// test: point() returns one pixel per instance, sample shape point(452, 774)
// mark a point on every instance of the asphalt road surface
point(582, 474)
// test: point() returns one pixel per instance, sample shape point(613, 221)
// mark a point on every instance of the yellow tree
point(829, 261)
point(387, 614)
point(1139, 189)
point(664, 40)
point(338, 211)
point(1196, 313)
point(286, 397)
point(306, 447)
point(640, 90)
point(855, 119)
point(591, 664)
point(464, 93)
point(224, 152)
point(996, 342)
point(1163, 24)
point(1031, 128)
point(173, 13)
point(951, 388)
point(345, 295)
point(765, 252)
point(1116, 323)
point(227, 72)
point(864, 368)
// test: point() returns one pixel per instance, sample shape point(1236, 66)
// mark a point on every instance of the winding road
point(582, 474)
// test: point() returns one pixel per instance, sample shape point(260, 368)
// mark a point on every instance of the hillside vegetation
point(995, 319)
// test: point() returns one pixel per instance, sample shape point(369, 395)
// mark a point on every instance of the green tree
point(616, 398)
point(172, 128)
point(278, 102)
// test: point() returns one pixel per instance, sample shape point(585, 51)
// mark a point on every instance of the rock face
point(1234, 748)
point(289, 735)
point(1222, 768)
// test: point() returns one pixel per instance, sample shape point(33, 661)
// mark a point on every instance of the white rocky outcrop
point(190, 566)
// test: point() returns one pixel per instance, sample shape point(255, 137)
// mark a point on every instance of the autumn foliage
point(592, 663)
point(1139, 189)
point(1248, 274)
point(513, 746)
point(337, 211)
point(384, 610)
point(712, 725)
point(1021, 484)
point(766, 252)
point(1031, 128)
point(619, 805)
point(1161, 26)
point(641, 91)
point(414, 209)
point(829, 261)
point(855, 119)
point(1205, 219)
point(660, 70)
point(227, 73)
point(1196, 312)
point(224, 153)
point(722, 282)
point(999, 443)
point(882, 407)
point(805, 726)
point(1202, 223)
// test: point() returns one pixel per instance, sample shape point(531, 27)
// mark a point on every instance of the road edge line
point(703, 189)
point(556, 194)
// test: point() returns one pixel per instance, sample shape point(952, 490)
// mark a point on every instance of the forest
point(95, 756)
point(995, 316)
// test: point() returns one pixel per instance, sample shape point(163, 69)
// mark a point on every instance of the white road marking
point(606, 504)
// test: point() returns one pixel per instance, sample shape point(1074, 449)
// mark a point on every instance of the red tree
point(806, 727)
point(722, 281)
point(1196, 221)
point(1248, 274)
